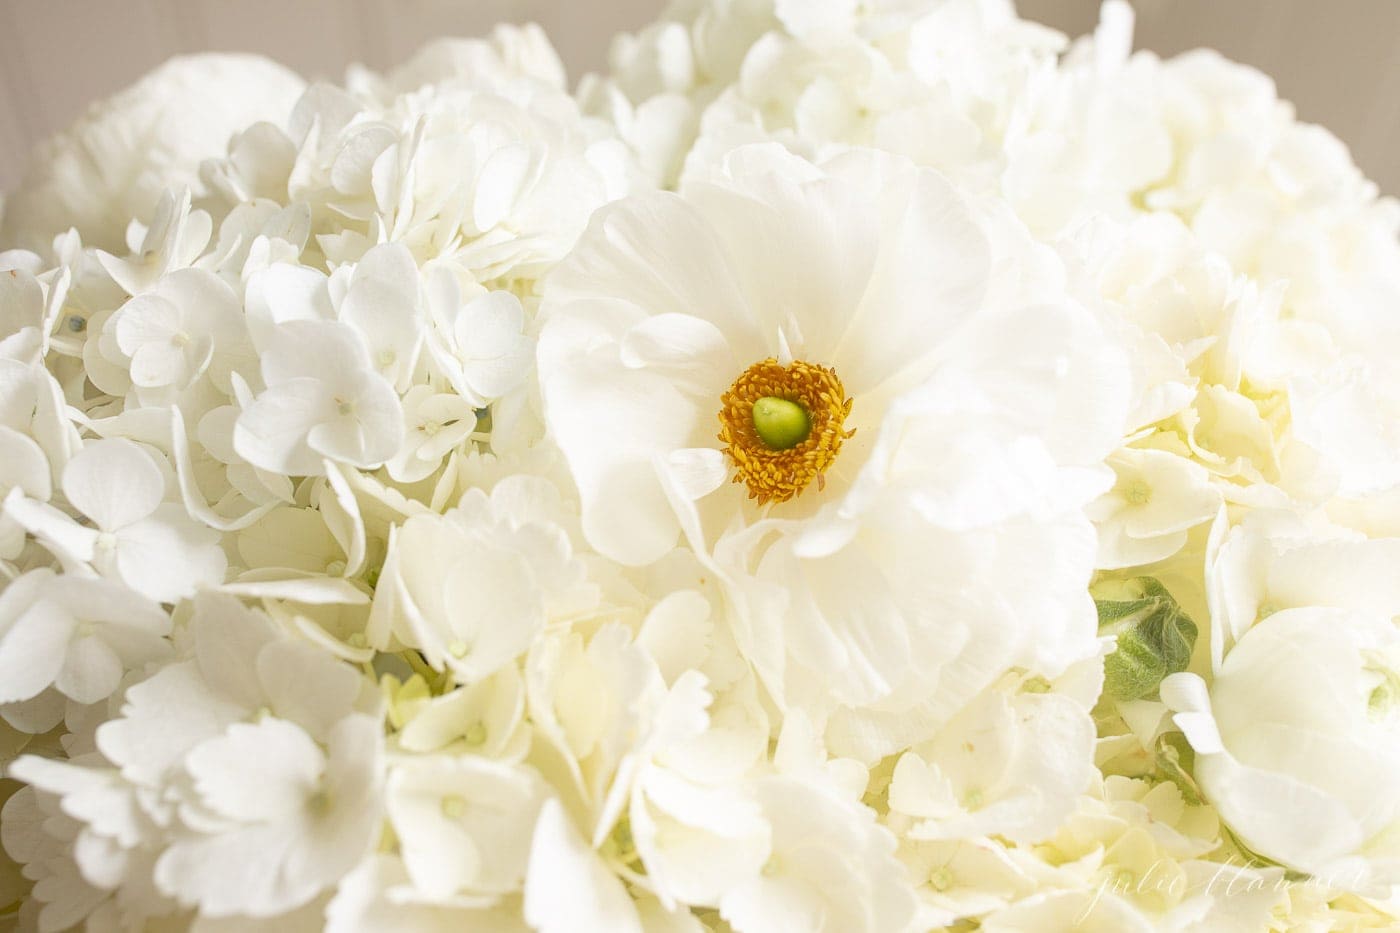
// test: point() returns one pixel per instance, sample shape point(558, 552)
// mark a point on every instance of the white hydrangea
point(850, 467)
point(78, 635)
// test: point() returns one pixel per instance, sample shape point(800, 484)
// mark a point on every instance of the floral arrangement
point(856, 467)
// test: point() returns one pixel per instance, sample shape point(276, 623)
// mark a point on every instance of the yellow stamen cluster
point(777, 475)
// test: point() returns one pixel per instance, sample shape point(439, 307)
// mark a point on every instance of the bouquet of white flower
point(857, 467)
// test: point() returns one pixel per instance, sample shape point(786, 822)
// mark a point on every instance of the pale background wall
point(1338, 60)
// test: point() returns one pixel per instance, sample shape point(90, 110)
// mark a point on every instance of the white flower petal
point(687, 271)
point(261, 771)
point(91, 671)
point(113, 482)
point(271, 433)
point(491, 343)
point(498, 185)
point(34, 634)
point(23, 465)
point(168, 557)
point(568, 888)
point(610, 429)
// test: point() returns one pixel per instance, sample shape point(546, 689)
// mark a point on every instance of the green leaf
point(1175, 762)
point(1111, 611)
point(1155, 638)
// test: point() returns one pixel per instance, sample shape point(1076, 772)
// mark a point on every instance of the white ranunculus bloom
point(113, 164)
point(1295, 742)
point(1275, 561)
point(854, 295)
point(935, 406)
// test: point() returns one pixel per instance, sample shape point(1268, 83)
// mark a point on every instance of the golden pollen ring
point(777, 475)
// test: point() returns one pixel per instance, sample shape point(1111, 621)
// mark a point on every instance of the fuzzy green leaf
point(1155, 639)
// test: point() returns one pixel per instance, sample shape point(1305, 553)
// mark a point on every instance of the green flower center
point(779, 423)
